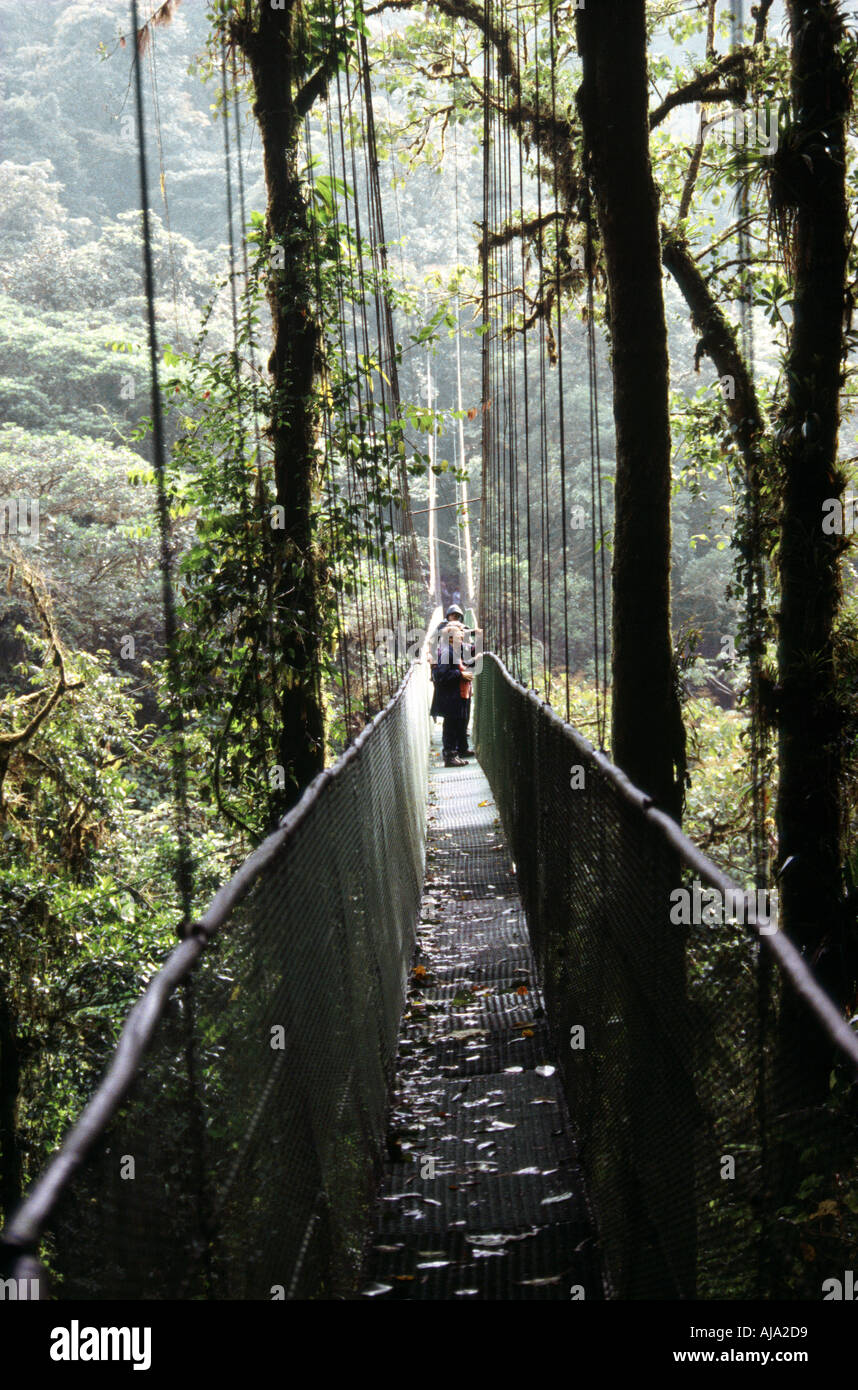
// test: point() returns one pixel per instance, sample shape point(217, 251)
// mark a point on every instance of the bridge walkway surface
point(482, 1195)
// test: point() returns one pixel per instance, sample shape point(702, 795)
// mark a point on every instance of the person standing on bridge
point(451, 680)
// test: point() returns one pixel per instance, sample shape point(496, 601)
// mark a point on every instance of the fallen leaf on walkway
point(507, 1238)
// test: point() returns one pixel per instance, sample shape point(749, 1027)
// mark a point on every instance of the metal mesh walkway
point(482, 1196)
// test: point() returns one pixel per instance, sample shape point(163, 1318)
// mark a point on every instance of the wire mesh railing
point(712, 1168)
point(233, 1148)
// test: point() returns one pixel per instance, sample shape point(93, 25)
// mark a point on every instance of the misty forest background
point(88, 904)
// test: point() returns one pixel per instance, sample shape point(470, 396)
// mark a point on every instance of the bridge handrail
point(789, 959)
point(681, 1049)
point(22, 1233)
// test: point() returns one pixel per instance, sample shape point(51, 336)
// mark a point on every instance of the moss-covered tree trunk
point(647, 734)
point(272, 41)
point(811, 201)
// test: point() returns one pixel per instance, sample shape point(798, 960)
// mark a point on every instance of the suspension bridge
point(440, 1035)
point(572, 1074)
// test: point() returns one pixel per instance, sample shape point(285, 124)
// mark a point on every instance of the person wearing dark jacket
point(451, 679)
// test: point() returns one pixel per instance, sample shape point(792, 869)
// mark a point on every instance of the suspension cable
point(184, 876)
point(558, 295)
point(251, 586)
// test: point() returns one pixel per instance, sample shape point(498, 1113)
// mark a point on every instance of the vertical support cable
point(183, 859)
point(486, 594)
point(184, 881)
point(558, 297)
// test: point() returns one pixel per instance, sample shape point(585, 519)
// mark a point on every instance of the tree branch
point(700, 87)
point(316, 86)
point(718, 341)
point(544, 126)
point(762, 14)
point(500, 38)
point(518, 229)
point(19, 736)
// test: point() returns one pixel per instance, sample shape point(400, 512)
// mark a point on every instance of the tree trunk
point(647, 733)
point(10, 1072)
point(812, 177)
point(272, 49)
